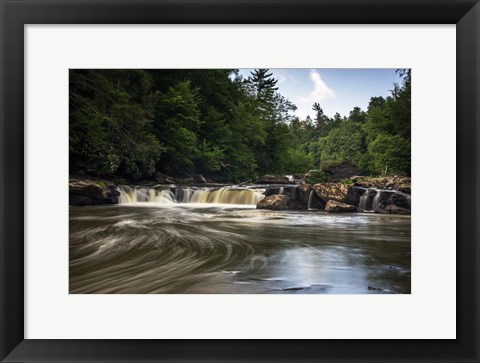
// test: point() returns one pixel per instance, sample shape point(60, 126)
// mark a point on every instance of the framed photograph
point(206, 181)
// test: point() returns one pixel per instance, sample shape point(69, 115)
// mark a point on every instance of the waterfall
point(129, 195)
point(364, 200)
point(226, 195)
point(310, 197)
point(281, 191)
point(377, 200)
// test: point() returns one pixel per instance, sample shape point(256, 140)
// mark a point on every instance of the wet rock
point(399, 200)
point(333, 206)
point(272, 179)
point(86, 188)
point(307, 196)
point(303, 193)
point(304, 188)
point(89, 192)
point(273, 191)
point(277, 202)
point(395, 209)
point(199, 179)
point(338, 192)
point(161, 178)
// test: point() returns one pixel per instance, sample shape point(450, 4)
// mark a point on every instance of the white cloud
point(281, 76)
point(320, 89)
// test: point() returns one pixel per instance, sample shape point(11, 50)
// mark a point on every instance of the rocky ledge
point(89, 192)
point(337, 207)
point(278, 202)
point(399, 183)
point(337, 198)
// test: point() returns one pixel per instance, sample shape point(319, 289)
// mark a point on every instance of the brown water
point(210, 248)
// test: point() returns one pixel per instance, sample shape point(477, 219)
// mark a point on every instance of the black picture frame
point(16, 13)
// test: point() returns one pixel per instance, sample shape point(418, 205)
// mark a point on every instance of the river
point(207, 247)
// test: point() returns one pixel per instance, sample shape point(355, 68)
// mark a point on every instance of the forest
point(134, 123)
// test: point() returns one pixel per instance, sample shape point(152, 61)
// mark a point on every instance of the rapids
point(187, 242)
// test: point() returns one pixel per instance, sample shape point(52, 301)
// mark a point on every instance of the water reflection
point(205, 248)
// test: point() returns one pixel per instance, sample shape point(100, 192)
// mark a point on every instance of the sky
point(337, 90)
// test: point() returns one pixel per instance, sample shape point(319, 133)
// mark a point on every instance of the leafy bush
point(346, 181)
point(389, 153)
point(318, 176)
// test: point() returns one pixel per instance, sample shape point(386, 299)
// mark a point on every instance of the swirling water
point(212, 248)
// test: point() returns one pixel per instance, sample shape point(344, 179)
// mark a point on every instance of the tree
point(321, 120)
point(357, 115)
point(390, 154)
point(264, 85)
point(177, 122)
point(344, 143)
point(107, 107)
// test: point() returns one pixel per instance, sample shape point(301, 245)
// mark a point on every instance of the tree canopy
point(134, 123)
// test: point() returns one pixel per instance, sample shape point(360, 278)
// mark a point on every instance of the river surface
point(236, 249)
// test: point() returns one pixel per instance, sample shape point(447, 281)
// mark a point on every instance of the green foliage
point(102, 183)
point(106, 108)
point(390, 154)
point(346, 182)
point(318, 176)
point(329, 163)
point(295, 161)
point(344, 143)
point(133, 123)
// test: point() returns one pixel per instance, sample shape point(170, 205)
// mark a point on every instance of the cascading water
point(364, 200)
point(310, 198)
point(226, 195)
point(129, 195)
point(377, 200)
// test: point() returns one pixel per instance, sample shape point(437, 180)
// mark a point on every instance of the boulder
point(272, 179)
point(161, 178)
point(395, 209)
point(86, 188)
point(400, 200)
point(337, 191)
point(277, 202)
point(304, 188)
point(307, 196)
point(88, 192)
point(199, 179)
point(334, 206)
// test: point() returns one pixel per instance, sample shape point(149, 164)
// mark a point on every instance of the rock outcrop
point(400, 183)
point(161, 178)
point(336, 191)
point(277, 202)
point(334, 206)
point(199, 179)
point(89, 192)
